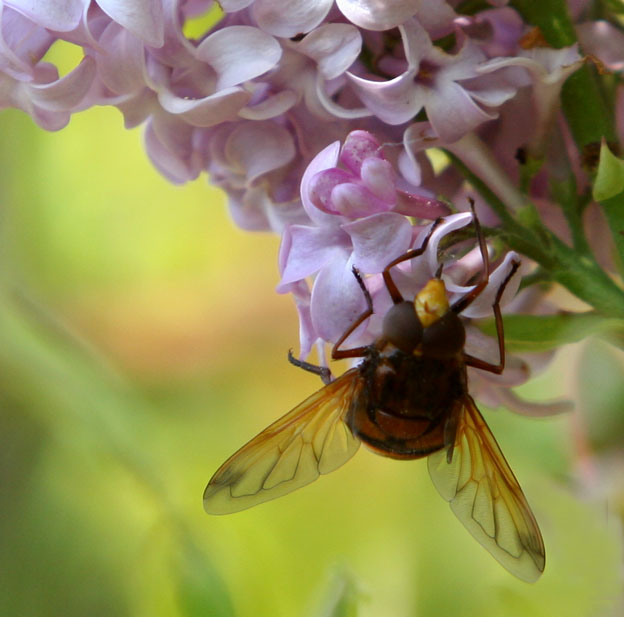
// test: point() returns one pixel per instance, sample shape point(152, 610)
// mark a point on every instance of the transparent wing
point(486, 497)
point(310, 440)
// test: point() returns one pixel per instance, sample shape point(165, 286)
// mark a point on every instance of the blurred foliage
point(141, 343)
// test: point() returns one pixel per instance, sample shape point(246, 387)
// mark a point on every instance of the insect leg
point(467, 299)
point(500, 334)
point(393, 290)
point(322, 371)
point(356, 352)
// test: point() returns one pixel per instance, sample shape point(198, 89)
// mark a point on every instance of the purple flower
point(28, 83)
point(286, 18)
point(255, 99)
point(375, 15)
point(547, 69)
point(448, 86)
point(357, 216)
point(325, 318)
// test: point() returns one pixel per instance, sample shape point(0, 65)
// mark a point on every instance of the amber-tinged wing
point(486, 497)
point(310, 440)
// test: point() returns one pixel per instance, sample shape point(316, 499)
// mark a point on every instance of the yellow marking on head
point(431, 303)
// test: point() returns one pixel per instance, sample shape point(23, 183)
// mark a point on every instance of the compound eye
point(402, 328)
point(444, 338)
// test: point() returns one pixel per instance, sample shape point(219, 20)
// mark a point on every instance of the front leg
point(322, 371)
point(356, 352)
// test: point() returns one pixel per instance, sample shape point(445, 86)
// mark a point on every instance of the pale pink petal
point(287, 18)
point(330, 106)
point(333, 46)
point(604, 41)
point(325, 159)
point(490, 90)
point(436, 16)
point(430, 262)
point(22, 43)
point(61, 15)
point(239, 53)
point(248, 209)
point(416, 42)
point(173, 161)
point(359, 146)
point(305, 250)
point(207, 111)
point(453, 113)
point(379, 178)
point(534, 409)
point(122, 67)
point(270, 107)
point(355, 201)
point(378, 239)
point(337, 299)
point(322, 185)
point(395, 101)
point(378, 14)
point(65, 93)
point(247, 158)
point(420, 206)
point(137, 109)
point(307, 335)
point(482, 306)
point(144, 18)
point(234, 5)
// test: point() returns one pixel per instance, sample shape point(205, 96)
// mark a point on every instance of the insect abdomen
point(402, 410)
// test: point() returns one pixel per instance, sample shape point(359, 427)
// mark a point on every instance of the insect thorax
point(409, 385)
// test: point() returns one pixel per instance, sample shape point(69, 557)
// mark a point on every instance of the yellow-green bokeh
point(141, 343)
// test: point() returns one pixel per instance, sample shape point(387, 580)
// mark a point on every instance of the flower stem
point(583, 104)
point(523, 231)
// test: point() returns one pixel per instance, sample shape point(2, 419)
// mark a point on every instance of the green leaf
point(532, 333)
point(610, 176)
point(609, 191)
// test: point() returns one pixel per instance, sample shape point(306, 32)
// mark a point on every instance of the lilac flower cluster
point(317, 117)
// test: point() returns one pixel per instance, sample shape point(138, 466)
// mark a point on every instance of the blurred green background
point(142, 342)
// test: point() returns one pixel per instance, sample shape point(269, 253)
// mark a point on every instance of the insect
point(407, 399)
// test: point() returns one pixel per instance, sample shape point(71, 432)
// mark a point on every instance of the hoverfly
point(407, 399)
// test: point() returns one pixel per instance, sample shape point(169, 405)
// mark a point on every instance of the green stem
point(583, 104)
point(577, 272)
point(524, 232)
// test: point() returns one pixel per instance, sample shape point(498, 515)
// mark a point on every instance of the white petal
point(450, 223)
point(234, 5)
point(255, 148)
point(325, 159)
point(287, 18)
point(144, 18)
point(482, 306)
point(378, 239)
point(394, 102)
point(378, 14)
point(334, 47)
point(239, 53)
point(66, 93)
point(122, 67)
point(337, 299)
point(271, 107)
point(61, 15)
point(207, 111)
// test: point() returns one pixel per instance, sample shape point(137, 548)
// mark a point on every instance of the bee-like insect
point(407, 399)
